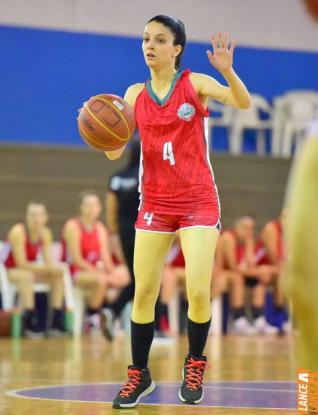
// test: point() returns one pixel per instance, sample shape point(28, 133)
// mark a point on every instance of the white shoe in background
point(107, 320)
point(242, 326)
point(287, 327)
point(263, 327)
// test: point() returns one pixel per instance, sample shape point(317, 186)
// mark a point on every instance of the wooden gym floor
point(246, 376)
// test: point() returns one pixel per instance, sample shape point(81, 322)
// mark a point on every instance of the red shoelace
point(131, 384)
point(194, 373)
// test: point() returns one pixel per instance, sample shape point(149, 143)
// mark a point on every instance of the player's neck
point(87, 223)
point(34, 233)
point(162, 78)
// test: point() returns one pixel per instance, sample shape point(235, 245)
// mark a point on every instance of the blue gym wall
point(45, 75)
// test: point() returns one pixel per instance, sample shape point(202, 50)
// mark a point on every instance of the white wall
point(261, 23)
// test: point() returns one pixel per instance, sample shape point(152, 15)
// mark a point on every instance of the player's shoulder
point(17, 231)
point(101, 228)
point(132, 92)
point(70, 225)
point(227, 235)
point(269, 227)
point(198, 78)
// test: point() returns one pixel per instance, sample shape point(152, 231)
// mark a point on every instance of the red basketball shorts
point(162, 223)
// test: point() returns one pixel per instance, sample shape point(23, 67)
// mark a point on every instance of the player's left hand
point(222, 56)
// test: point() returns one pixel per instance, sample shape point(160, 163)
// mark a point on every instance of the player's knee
point(100, 281)
point(199, 296)
point(145, 295)
point(27, 278)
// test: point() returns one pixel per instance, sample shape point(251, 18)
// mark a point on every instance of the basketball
point(312, 7)
point(106, 122)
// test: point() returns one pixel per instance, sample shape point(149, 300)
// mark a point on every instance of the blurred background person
point(270, 253)
point(87, 250)
point(173, 283)
point(28, 242)
point(122, 201)
point(237, 267)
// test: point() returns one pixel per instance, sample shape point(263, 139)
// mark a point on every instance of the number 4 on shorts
point(148, 217)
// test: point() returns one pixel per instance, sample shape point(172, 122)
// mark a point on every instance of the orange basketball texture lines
point(106, 122)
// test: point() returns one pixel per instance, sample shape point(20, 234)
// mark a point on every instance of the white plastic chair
point(250, 119)
point(4, 283)
point(291, 114)
point(224, 119)
point(301, 107)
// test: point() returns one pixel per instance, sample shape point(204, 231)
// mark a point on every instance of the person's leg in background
point(24, 280)
point(96, 284)
point(113, 310)
point(236, 283)
point(198, 246)
point(258, 310)
point(54, 277)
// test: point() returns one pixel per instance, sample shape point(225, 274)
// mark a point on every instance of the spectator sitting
point(237, 267)
point(27, 241)
point(86, 249)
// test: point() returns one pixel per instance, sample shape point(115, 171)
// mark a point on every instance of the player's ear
point(177, 50)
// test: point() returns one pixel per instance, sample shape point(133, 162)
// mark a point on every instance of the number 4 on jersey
point(168, 153)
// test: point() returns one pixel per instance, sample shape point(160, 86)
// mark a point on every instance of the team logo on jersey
point(186, 112)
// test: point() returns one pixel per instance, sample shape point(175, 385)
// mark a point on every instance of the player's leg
point(240, 324)
point(258, 310)
point(24, 280)
point(150, 252)
point(198, 246)
point(96, 284)
point(53, 276)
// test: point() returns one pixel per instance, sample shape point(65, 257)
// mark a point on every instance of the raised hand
point(222, 56)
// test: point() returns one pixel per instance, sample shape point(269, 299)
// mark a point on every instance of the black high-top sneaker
point(58, 328)
point(138, 384)
point(191, 391)
point(31, 326)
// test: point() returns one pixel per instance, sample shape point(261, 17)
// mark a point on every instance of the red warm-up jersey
point(261, 254)
point(89, 245)
point(32, 249)
point(176, 176)
point(240, 250)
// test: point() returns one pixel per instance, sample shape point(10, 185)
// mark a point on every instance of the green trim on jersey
point(162, 101)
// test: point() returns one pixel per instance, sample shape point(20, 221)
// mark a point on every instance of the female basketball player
point(177, 193)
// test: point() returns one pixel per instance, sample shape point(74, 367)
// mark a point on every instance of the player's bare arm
point(236, 93)
point(72, 238)
point(17, 239)
point(130, 96)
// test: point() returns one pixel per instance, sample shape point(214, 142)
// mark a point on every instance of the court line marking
point(14, 394)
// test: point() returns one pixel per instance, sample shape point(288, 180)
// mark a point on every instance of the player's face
point(245, 228)
point(158, 48)
point(91, 207)
point(36, 216)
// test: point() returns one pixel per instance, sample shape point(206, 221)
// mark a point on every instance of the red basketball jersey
point(89, 245)
point(176, 176)
point(32, 250)
point(261, 254)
